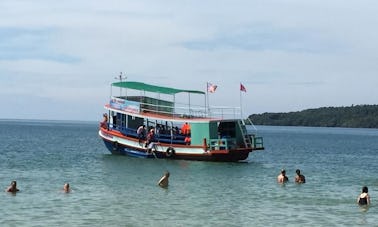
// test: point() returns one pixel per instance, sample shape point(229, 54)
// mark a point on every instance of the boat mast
point(120, 78)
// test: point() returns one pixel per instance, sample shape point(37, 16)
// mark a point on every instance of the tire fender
point(170, 152)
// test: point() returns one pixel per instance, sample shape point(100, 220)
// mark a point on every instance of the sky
point(58, 58)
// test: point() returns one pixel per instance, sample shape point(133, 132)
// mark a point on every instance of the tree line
point(355, 116)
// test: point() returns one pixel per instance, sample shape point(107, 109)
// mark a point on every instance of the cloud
point(266, 38)
point(23, 43)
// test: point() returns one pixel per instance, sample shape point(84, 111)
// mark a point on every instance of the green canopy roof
point(152, 88)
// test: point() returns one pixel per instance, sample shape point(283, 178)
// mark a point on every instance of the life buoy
point(170, 152)
point(115, 146)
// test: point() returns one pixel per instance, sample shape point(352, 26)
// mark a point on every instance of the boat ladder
point(247, 140)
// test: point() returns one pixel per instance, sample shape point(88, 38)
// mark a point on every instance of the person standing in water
point(299, 178)
point(282, 178)
point(364, 198)
point(163, 182)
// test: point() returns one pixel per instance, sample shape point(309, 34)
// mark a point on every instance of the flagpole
point(207, 99)
point(241, 106)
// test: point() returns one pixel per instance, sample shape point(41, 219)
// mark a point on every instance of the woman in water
point(363, 198)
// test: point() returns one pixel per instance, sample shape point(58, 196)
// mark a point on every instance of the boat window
point(226, 129)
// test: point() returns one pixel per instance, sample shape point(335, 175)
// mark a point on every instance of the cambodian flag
point(211, 87)
point(242, 88)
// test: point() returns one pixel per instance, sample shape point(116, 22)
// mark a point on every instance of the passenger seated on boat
point(176, 130)
point(187, 140)
point(104, 122)
point(162, 129)
point(150, 137)
point(185, 129)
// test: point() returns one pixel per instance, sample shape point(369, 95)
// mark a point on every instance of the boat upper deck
point(147, 107)
point(145, 100)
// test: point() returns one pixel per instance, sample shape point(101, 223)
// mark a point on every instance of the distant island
point(355, 116)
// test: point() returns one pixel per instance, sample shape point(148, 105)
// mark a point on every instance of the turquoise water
point(113, 190)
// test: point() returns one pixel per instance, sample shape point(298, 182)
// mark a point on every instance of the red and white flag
point(211, 87)
point(242, 88)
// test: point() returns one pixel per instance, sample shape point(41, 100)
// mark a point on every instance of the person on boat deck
point(104, 122)
point(163, 130)
point(158, 129)
point(150, 137)
point(12, 187)
point(66, 187)
point(282, 178)
point(187, 140)
point(299, 178)
point(364, 198)
point(176, 130)
point(185, 129)
point(141, 131)
point(163, 182)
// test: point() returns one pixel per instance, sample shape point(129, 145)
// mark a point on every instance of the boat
point(176, 129)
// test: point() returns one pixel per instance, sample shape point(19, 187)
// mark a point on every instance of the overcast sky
point(58, 58)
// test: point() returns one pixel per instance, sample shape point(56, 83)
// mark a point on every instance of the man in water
point(163, 182)
point(12, 187)
point(299, 178)
point(282, 178)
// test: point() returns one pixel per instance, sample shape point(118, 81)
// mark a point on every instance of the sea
point(111, 190)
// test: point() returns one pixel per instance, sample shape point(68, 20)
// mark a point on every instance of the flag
point(242, 88)
point(211, 87)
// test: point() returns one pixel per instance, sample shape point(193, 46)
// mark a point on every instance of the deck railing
point(223, 144)
point(179, 110)
point(258, 143)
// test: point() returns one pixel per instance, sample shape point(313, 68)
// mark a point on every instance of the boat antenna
point(122, 76)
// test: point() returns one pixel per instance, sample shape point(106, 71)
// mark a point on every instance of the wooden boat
point(210, 133)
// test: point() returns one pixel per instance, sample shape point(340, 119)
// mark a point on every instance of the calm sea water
point(113, 190)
